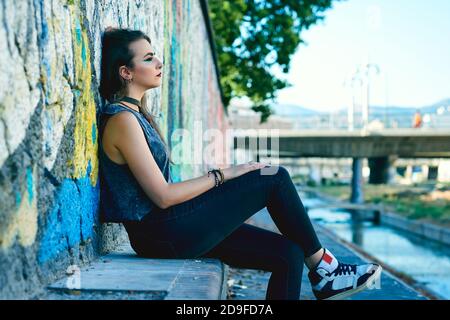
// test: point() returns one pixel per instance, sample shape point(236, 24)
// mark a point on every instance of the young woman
point(204, 216)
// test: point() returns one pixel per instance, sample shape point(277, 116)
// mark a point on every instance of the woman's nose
point(160, 63)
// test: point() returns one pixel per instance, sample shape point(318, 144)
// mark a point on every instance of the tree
point(255, 36)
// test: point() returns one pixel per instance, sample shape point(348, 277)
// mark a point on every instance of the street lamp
point(353, 80)
point(364, 71)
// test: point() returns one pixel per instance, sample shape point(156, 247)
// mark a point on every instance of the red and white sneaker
point(332, 280)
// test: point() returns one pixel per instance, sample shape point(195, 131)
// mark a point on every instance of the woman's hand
point(238, 170)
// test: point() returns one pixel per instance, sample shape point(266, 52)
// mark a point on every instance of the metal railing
point(376, 121)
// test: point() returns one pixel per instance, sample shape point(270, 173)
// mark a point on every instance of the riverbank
point(421, 203)
point(378, 240)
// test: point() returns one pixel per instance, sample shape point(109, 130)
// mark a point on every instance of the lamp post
point(364, 71)
point(353, 80)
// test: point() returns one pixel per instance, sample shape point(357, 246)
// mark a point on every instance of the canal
point(426, 261)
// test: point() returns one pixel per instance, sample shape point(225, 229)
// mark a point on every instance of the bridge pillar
point(357, 230)
point(357, 181)
point(432, 173)
point(381, 170)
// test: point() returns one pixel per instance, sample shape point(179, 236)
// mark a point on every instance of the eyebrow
point(150, 54)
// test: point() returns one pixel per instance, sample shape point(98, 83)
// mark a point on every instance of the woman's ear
point(125, 73)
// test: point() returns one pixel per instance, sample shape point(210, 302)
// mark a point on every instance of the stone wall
point(49, 106)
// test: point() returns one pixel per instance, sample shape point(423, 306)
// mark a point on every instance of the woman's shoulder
point(119, 113)
point(114, 119)
point(123, 116)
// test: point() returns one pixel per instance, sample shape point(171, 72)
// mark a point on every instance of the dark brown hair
point(116, 52)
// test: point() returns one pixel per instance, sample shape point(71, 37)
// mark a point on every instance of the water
point(426, 261)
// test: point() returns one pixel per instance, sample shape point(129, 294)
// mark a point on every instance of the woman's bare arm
point(129, 139)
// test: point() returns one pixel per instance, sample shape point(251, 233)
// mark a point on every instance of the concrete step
point(122, 274)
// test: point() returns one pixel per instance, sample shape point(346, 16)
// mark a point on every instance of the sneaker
point(344, 281)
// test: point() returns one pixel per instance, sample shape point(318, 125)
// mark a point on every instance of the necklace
point(129, 100)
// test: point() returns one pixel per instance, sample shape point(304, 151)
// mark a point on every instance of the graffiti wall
point(49, 105)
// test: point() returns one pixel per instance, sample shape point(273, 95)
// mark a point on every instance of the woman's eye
point(149, 59)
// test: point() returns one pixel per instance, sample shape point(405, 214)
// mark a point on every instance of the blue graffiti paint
point(71, 220)
point(89, 168)
point(47, 68)
point(18, 198)
point(90, 197)
point(76, 93)
point(78, 36)
point(139, 22)
point(43, 35)
point(83, 54)
point(48, 122)
point(94, 133)
point(30, 184)
point(174, 50)
point(79, 39)
point(180, 96)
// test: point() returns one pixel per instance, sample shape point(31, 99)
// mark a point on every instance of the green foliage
point(255, 37)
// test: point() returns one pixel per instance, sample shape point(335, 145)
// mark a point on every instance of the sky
point(409, 41)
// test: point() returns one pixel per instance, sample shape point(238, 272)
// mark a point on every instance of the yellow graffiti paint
point(85, 149)
point(22, 223)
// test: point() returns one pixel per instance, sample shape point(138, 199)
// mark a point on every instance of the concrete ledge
point(423, 229)
point(122, 271)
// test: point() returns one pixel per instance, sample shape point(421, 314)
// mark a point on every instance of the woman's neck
point(135, 94)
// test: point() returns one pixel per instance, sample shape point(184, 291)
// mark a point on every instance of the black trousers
point(213, 225)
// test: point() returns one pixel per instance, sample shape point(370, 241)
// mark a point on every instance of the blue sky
point(408, 39)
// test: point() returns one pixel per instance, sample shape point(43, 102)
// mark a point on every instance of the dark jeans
point(213, 225)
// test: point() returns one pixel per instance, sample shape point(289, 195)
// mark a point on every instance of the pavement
point(123, 275)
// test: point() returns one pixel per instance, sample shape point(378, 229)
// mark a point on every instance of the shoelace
point(344, 268)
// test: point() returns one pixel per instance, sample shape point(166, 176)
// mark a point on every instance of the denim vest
point(121, 196)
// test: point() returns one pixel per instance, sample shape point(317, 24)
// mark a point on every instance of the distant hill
point(410, 110)
point(293, 110)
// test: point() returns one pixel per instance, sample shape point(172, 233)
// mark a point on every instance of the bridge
point(403, 143)
point(380, 147)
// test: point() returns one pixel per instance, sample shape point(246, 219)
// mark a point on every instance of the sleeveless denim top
point(121, 197)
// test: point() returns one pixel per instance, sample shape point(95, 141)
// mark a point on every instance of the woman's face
point(147, 70)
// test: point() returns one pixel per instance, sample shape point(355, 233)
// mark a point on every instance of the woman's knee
point(283, 172)
point(280, 173)
point(275, 171)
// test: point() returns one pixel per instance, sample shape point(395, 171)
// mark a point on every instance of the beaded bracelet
point(217, 174)
point(222, 177)
point(221, 174)
point(215, 177)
